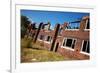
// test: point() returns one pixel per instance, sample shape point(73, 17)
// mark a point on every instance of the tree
point(34, 26)
point(24, 24)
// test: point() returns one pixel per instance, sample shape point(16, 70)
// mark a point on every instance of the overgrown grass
point(36, 52)
point(31, 55)
point(26, 42)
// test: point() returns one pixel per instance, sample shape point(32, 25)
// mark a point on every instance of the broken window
point(73, 43)
point(49, 38)
point(88, 24)
point(64, 42)
point(73, 25)
point(41, 37)
point(86, 46)
point(69, 42)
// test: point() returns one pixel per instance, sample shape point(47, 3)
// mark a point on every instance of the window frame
point(67, 47)
point(48, 41)
point(42, 37)
point(84, 52)
point(86, 25)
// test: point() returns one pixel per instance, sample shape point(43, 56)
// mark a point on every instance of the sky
point(53, 17)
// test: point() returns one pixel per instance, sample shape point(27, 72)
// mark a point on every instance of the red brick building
point(68, 42)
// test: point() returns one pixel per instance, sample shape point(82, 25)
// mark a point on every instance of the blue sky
point(53, 17)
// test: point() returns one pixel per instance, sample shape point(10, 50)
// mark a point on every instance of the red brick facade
point(79, 35)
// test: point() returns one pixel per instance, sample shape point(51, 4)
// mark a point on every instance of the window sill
point(85, 53)
point(86, 29)
point(67, 48)
point(72, 29)
point(45, 41)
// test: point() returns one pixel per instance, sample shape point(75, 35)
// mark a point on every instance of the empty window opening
point(48, 38)
point(73, 25)
point(87, 24)
point(86, 46)
point(41, 37)
point(69, 42)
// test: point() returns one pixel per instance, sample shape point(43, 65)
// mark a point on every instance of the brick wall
point(79, 34)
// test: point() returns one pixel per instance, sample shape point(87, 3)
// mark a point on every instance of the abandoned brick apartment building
point(68, 42)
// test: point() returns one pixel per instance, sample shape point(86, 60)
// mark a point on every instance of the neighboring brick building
point(68, 42)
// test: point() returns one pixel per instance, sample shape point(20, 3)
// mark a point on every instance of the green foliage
point(24, 24)
point(24, 21)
